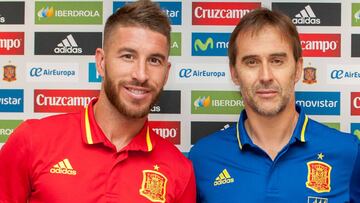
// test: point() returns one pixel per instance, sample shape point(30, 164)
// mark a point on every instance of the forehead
point(138, 38)
point(268, 38)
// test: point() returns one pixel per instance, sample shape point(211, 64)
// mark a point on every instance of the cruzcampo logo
point(74, 12)
point(175, 49)
point(216, 102)
point(7, 127)
point(333, 125)
point(355, 14)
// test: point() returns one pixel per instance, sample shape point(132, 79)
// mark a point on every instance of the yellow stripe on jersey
point(302, 137)
point(87, 127)
point(148, 140)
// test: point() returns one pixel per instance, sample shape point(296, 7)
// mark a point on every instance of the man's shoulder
point(322, 133)
point(169, 151)
point(215, 142)
point(46, 125)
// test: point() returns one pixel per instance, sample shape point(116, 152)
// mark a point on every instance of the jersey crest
point(318, 178)
point(153, 186)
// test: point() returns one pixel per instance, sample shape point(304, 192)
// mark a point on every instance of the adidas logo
point(68, 46)
point(223, 178)
point(63, 167)
point(306, 16)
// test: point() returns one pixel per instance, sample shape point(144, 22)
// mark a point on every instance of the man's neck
point(119, 129)
point(271, 133)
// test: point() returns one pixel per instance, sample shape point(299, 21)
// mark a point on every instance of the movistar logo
point(203, 46)
point(46, 12)
point(202, 101)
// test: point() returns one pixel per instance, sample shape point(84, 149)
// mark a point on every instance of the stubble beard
point(112, 94)
point(257, 106)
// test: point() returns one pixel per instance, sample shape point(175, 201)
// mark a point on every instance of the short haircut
point(259, 18)
point(142, 13)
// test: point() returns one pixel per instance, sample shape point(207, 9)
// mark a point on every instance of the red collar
point(92, 133)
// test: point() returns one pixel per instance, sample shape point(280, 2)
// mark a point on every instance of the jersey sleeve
point(189, 193)
point(14, 170)
point(355, 180)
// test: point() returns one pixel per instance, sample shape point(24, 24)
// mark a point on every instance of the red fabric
point(49, 160)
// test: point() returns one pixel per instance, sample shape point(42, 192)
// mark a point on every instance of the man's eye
point(155, 61)
point(277, 61)
point(127, 56)
point(251, 62)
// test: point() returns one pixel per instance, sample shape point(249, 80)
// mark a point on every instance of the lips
point(137, 92)
point(266, 93)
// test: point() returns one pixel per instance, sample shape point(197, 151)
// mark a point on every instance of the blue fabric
point(230, 168)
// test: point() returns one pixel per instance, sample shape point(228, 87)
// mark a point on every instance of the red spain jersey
point(67, 158)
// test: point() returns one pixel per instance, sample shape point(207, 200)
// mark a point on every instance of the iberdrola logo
point(202, 101)
point(46, 12)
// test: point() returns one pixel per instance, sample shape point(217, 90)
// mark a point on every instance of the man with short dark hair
point(105, 153)
point(274, 153)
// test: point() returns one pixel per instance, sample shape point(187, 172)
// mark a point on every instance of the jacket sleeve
point(355, 180)
point(189, 193)
point(14, 167)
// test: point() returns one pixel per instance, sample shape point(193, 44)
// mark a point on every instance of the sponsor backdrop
point(47, 63)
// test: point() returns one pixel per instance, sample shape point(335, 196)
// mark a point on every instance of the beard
point(112, 93)
point(249, 96)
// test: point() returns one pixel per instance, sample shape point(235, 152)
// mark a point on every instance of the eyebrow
point(130, 50)
point(280, 54)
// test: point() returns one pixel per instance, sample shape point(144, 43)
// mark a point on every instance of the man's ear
point(234, 75)
point(168, 66)
point(299, 69)
point(100, 61)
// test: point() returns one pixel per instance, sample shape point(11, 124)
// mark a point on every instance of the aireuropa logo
point(12, 12)
point(202, 73)
point(172, 9)
point(210, 44)
point(94, 75)
point(52, 72)
point(311, 14)
point(216, 102)
point(65, 43)
point(168, 103)
point(320, 45)
point(355, 129)
point(355, 103)
point(319, 103)
point(343, 74)
point(11, 43)
point(169, 130)
point(220, 13)
point(355, 44)
point(355, 14)
point(7, 127)
point(175, 44)
point(200, 129)
point(74, 12)
point(12, 100)
point(57, 101)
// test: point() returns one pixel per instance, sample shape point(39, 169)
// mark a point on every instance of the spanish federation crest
point(318, 178)
point(9, 73)
point(153, 186)
point(309, 75)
